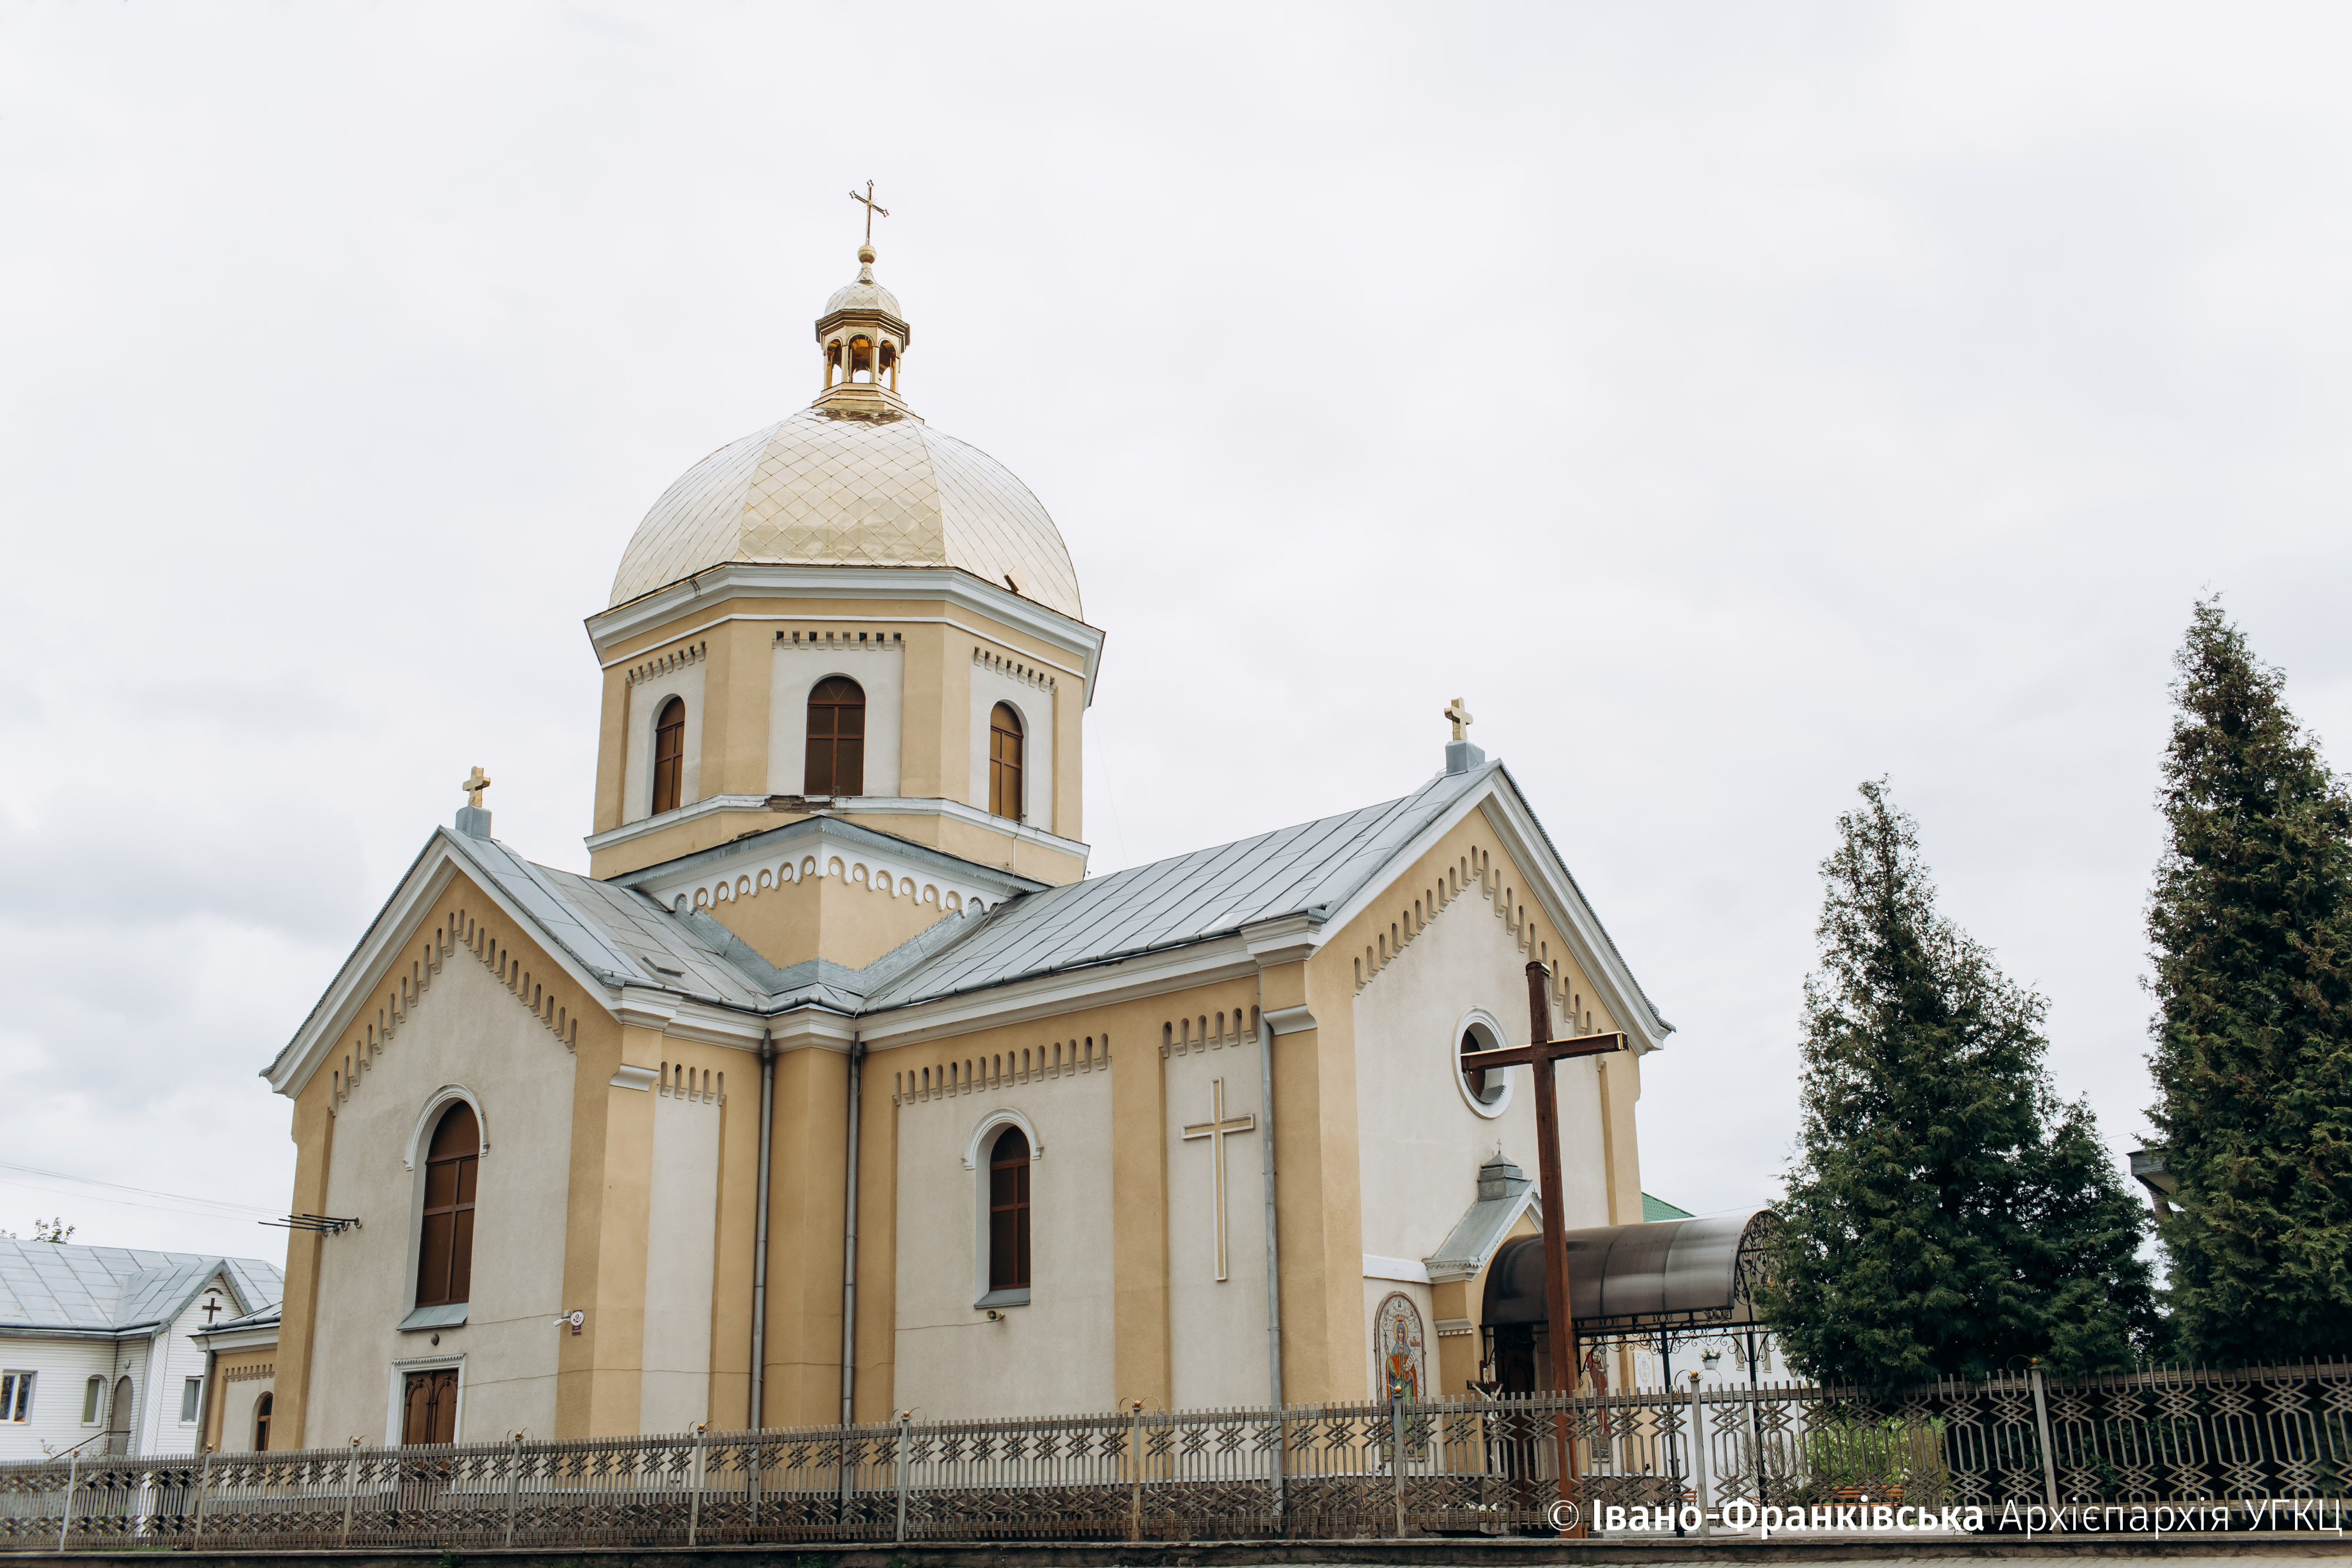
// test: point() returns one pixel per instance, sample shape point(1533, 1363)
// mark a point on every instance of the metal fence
point(1475, 1467)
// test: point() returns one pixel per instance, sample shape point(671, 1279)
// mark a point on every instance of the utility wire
point(222, 1206)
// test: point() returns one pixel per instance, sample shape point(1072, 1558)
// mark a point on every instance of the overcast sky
point(1730, 403)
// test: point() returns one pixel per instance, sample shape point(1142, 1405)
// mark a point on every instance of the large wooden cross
point(1539, 1054)
point(1216, 1129)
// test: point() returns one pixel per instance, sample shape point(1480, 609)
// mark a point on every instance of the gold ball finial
point(866, 254)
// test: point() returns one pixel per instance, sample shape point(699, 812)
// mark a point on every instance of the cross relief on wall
point(1216, 1129)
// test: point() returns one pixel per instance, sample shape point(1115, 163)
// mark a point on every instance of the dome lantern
point(862, 341)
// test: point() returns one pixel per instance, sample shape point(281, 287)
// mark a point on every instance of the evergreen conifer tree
point(2251, 925)
point(1947, 1213)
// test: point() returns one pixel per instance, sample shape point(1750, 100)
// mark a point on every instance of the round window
point(1486, 1089)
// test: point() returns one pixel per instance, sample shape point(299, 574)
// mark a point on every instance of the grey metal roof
point(113, 1290)
point(268, 1317)
point(1312, 867)
point(1504, 1194)
point(622, 936)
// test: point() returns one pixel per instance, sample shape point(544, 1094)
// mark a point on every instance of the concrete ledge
point(1440, 1553)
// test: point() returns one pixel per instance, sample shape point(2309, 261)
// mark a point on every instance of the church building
point(837, 1087)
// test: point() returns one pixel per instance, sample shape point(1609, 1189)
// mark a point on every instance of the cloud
point(1730, 406)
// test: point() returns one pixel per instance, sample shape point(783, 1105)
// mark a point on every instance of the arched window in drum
point(836, 739)
point(669, 756)
point(1004, 761)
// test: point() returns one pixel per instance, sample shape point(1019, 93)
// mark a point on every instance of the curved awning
point(1632, 1279)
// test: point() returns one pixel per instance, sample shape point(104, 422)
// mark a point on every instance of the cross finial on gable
point(474, 786)
point(1461, 718)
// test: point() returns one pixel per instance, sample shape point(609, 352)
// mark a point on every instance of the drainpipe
point(849, 1241)
point(1266, 1154)
point(205, 1410)
point(760, 1242)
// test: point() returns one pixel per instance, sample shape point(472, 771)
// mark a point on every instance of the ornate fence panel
point(1473, 1467)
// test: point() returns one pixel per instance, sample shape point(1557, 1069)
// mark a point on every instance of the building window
point(836, 739)
point(192, 1395)
point(1004, 761)
point(669, 756)
point(261, 1423)
point(445, 1258)
point(16, 1396)
point(92, 1393)
point(1473, 1079)
point(1486, 1090)
point(1008, 1211)
point(429, 1406)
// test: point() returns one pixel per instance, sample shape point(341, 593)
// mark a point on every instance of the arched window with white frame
point(1008, 1212)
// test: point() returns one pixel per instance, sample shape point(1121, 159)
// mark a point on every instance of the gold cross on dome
point(1216, 1129)
point(1461, 717)
point(474, 786)
point(872, 212)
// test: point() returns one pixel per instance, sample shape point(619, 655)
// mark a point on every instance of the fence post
point(65, 1514)
point(1135, 1471)
point(1281, 1470)
point(904, 1417)
point(351, 1489)
point(1396, 1453)
point(694, 1503)
point(514, 1483)
point(1698, 1457)
point(204, 1476)
point(2049, 1459)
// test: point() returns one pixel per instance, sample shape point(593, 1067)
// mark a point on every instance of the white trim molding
point(849, 808)
point(1409, 1269)
point(983, 1296)
point(396, 1406)
point(1003, 1117)
point(749, 580)
point(430, 1117)
point(1497, 1098)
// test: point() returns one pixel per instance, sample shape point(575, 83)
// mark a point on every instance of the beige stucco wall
point(747, 698)
point(1056, 1353)
point(467, 1030)
point(681, 1249)
point(1422, 1143)
point(1217, 1338)
point(233, 1417)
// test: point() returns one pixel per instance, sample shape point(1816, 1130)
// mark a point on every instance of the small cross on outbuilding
point(212, 1309)
point(1461, 718)
point(474, 786)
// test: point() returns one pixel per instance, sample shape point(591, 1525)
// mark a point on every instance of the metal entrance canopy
point(1639, 1280)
